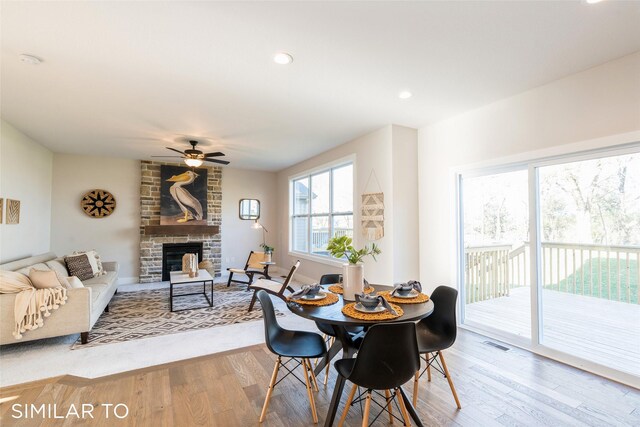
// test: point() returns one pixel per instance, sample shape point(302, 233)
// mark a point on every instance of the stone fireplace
point(151, 245)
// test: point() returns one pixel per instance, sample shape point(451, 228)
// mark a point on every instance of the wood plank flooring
point(606, 332)
point(510, 388)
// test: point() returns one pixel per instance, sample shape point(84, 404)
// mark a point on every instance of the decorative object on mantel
point(183, 195)
point(373, 211)
point(353, 271)
point(190, 264)
point(13, 211)
point(98, 203)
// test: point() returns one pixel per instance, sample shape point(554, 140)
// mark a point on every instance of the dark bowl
point(404, 291)
point(369, 304)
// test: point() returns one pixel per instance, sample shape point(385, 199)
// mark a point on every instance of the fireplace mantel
point(180, 230)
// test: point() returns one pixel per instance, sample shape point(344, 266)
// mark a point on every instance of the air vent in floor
point(498, 346)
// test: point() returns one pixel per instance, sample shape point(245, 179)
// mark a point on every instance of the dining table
point(345, 341)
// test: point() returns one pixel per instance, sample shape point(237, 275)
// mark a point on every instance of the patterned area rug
point(145, 314)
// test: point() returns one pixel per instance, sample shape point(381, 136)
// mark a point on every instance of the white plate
point(317, 297)
point(361, 308)
point(411, 294)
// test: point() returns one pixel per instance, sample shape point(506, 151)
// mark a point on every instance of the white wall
point(597, 107)
point(391, 152)
point(115, 237)
point(238, 236)
point(25, 175)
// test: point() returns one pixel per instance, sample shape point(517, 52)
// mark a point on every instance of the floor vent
point(498, 346)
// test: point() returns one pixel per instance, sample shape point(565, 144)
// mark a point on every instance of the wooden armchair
point(251, 268)
point(272, 287)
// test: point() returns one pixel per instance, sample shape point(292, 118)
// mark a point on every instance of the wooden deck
point(606, 332)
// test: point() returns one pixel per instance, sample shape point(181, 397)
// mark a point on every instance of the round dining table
point(332, 315)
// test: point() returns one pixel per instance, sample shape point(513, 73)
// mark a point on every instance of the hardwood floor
point(495, 387)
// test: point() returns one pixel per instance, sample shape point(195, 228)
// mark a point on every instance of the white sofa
point(81, 311)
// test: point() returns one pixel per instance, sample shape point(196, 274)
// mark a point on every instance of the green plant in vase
point(353, 271)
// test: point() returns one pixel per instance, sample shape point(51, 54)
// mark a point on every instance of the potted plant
point(353, 270)
point(268, 251)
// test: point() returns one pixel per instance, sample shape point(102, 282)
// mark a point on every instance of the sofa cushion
point(96, 291)
point(45, 279)
point(39, 266)
point(106, 279)
point(58, 265)
point(79, 266)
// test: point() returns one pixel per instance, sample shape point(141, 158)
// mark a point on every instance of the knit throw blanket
point(32, 305)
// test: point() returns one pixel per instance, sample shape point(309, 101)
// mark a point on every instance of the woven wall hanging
point(373, 211)
point(98, 203)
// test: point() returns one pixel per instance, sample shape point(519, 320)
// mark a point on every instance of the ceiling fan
point(194, 157)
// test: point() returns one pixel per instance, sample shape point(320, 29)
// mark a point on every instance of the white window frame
point(327, 167)
point(532, 164)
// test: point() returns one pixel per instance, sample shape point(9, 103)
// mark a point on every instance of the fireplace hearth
point(172, 254)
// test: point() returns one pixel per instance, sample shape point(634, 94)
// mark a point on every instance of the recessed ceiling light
point(405, 94)
point(282, 58)
point(30, 59)
point(593, 1)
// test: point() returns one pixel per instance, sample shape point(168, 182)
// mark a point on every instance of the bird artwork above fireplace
point(183, 195)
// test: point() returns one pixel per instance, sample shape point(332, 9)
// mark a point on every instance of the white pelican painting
point(183, 196)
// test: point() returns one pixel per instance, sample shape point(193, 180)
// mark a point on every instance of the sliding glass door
point(571, 290)
point(496, 229)
point(589, 257)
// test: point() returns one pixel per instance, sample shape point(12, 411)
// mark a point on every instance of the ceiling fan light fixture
point(194, 163)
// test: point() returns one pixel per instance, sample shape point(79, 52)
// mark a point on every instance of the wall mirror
point(249, 209)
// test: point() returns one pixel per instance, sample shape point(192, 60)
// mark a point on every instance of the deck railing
point(608, 272)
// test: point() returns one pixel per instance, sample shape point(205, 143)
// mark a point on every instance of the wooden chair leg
point(326, 374)
point(367, 408)
point(347, 405)
point(416, 382)
point(313, 376)
point(312, 402)
point(429, 373)
point(272, 383)
point(387, 394)
point(446, 372)
point(253, 300)
point(403, 409)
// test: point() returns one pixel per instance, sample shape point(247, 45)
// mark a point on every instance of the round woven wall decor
point(98, 203)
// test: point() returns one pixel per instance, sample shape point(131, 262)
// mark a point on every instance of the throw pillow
point(94, 259)
point(79, 266)
point(56, 265)
point(44, 279)
point(74, 282)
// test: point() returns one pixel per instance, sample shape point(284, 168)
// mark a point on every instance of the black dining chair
point(435, 334)
point(296, 346)
point(388, 358)
point(327, 329)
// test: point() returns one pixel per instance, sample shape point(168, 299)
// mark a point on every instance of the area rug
point(144, 314)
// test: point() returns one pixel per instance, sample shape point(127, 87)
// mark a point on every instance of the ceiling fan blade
point(170, 157)
point(216, 154)
point(222, 162)
point(177, 151)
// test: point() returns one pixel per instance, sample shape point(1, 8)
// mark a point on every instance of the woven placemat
point(349, 310)
point(415, 300)
point(330, 299)
point(337, 289)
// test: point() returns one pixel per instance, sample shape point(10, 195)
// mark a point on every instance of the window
point(321, 208)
